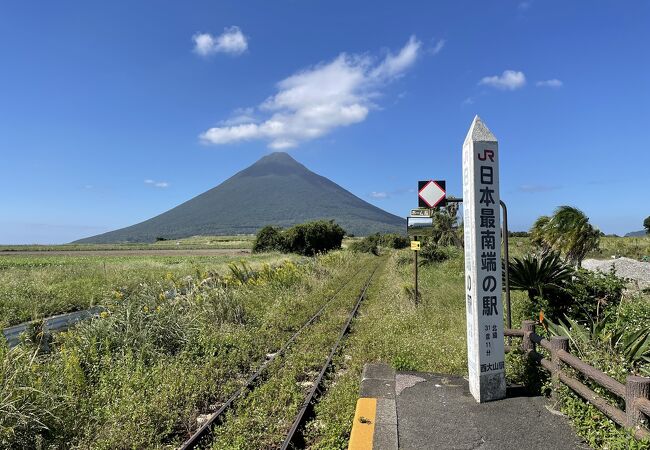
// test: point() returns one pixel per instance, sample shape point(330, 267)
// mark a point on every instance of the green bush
point(365, 246)
point(593, 294)
point(431, 253)
point(392, 240)
point(371, 244)
point(313, 237)
point(304, 239)
point(269, 239)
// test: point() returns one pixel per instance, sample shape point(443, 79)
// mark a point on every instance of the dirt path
point(147, 252)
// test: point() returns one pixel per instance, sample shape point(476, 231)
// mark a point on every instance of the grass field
point(195, 242)
point(174, 343)
point(138, 376)
point(631, 247)
point(32, 287)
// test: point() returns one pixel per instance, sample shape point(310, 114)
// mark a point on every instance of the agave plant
point(633, 346)
point(580, 335)
point(539, 274)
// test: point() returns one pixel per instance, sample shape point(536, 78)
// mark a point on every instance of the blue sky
point(112, 112)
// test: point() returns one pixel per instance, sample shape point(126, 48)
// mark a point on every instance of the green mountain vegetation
point(276, 190)
point(636, 233)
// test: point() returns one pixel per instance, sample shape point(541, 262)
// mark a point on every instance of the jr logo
point(486, 154)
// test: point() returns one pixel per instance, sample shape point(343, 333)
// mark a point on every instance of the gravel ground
point(625, 267)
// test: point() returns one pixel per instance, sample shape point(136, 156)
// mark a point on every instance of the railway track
point(293, 435)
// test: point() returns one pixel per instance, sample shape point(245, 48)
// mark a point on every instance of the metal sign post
point(431, 194)
point(416, 249)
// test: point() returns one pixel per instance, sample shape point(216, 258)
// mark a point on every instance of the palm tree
point(537, 232)
point(568, 231)
point(445, 226)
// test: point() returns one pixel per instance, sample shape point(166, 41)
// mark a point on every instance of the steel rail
point(297, 423)
point(59, 322)
point(207, 426)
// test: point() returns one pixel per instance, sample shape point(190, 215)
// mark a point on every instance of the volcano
point(276, 190)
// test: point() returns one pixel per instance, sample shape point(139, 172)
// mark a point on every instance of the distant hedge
point(518, 234)
point(371, 244)
point(305, 239)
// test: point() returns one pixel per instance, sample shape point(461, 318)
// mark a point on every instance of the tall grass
point(163, 352)
point(32, 287)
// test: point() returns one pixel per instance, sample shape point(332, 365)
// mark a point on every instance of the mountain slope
point(276, 190)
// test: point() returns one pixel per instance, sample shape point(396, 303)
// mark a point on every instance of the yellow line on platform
point(363, 427)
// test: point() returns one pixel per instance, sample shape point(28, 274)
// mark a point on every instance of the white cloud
point(552, 83)
point(436, 48)
point(158, 184)
point(379, 195)
point(240, 116)
point(231, 41)
point(508, 80)
point(526, 4)
point(395, 65)
point(315, 101)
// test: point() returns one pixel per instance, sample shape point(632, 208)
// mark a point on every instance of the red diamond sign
point(431, 193)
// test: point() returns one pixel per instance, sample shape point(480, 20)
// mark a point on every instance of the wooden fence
point(635, 392)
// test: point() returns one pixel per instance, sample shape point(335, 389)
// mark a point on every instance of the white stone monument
point(485, 353)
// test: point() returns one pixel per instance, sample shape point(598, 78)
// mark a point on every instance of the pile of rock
point(637, 271)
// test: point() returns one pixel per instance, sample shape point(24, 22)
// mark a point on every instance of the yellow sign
point(415, 245)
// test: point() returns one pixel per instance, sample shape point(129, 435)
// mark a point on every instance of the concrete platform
point(437, 412)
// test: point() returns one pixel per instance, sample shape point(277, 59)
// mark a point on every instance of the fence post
point(557, 343)
point(635, 387)
point(528, 327)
